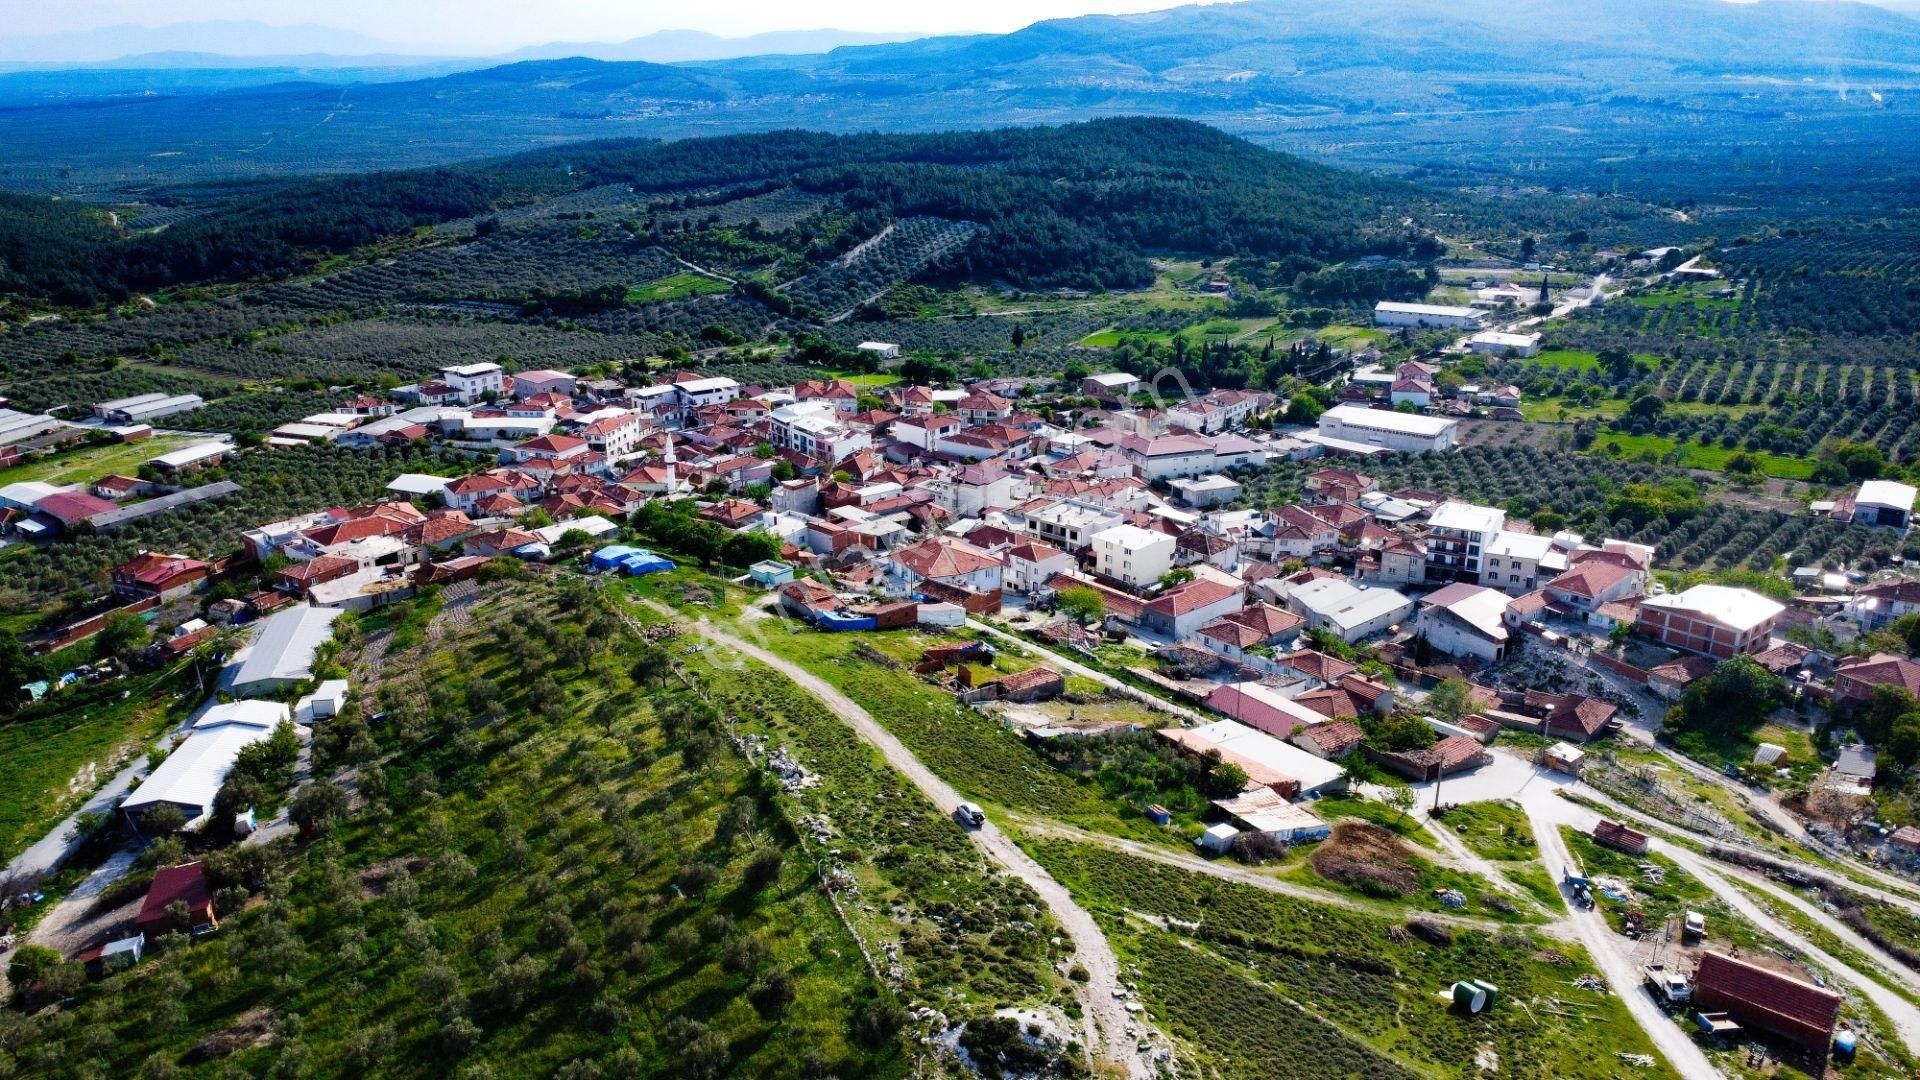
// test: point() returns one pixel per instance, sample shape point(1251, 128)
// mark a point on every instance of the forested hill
point(1079, 205)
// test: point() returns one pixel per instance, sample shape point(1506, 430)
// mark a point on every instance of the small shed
point(770, 573)
point(1620, 838)
point(941, 614)
point(1217, 838)
point(1564, 758)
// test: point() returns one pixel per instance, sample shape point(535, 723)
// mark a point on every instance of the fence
point(1621, 668)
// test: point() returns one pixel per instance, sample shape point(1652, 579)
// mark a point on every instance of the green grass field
point(89, 463)
point(89, 731)
point(1250, 976)
point(1695, 456)
point(675, 287)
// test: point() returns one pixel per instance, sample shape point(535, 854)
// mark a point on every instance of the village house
point(1131, 555)
point(1715, 620)
point(947, 569)
point(1465, 620)
point(1184, 609)
point(156, 574)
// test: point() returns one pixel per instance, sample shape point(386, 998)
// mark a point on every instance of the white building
point(199, 455)
point(283, 650)
point(1133, 555)
point(813, 428)
point(1466, 620)
point(1071, 524)
point(1519, 563)
point(700, 393)
point(1348, 611)
point(1166, 456)
point(883, 350)
point(192, 774)
point(1389, 313)
point(1201, 492)
point(143, 407)
point(1110, 384)
point(543, 381)
point(1884, 503)
point(1500, 343)
point(473, 382)
point(1398, 431)
point(1458, 536)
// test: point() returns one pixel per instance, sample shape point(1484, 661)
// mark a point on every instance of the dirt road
point(1077, 668)
point(1604, 946)
point(1101, 996)
point(1233, 871)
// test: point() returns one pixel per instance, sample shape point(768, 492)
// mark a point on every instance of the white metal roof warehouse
point(191, 776)
point(283, 650)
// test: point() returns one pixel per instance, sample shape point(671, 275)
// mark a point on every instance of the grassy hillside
point(564, 875)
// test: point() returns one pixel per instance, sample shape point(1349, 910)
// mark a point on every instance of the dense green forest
point(75, 255)
point(1078, 206)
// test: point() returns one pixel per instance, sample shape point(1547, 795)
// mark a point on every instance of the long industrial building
point(143, 407)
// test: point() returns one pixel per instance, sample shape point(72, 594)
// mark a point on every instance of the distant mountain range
point(1358, 80)
point(680, 46)
point(236, 44)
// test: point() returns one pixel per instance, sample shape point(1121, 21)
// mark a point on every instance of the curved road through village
point(1102, 996)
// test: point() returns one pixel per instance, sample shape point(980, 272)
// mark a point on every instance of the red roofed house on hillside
point(949, 570)
point(1854, 680)
point(177, 885)
point(1181, 611)
point(152, 573)
point(1757, 997)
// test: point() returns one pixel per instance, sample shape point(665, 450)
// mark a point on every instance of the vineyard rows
point(907, 248)
point(1528, 480)
point(274, 484)
point(509, 265)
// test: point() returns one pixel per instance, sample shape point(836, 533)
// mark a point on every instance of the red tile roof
point(176, 884)
point(1762, 998)
point(1194, 595)
point(942, 557)
point(1335, 737)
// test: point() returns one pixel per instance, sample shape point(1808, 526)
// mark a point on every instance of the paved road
point(1102, 995)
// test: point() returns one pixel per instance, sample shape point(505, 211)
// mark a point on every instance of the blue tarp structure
point(645, 562)
point(834, 621)
point(630, 560)
point(608, 558)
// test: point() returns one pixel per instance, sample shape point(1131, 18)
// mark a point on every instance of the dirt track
point(1105, 1011)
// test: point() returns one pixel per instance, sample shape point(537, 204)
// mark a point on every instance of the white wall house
point(1466, 620)
point(1348, 611)
point(474, 381)
point(813, 428)
point(1132, 555)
